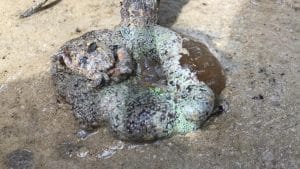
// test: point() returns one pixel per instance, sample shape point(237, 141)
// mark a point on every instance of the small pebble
point(83, 134)
point(77, 30)
point(259, 97)
point(106, 154)
point(262, 70)
point(119, 146)
point(82, 152)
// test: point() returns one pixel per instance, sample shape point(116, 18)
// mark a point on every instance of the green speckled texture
point(158, 99)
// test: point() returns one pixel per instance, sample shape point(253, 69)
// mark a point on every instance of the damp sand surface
point(257, 43)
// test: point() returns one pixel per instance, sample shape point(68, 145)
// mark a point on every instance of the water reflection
point(205, 64)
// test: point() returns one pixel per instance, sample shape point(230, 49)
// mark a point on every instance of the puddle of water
point(200, 60)
point(205, 64)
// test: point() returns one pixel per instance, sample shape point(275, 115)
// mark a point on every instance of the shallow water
point(205, 64)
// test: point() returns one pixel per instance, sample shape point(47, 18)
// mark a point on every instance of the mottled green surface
point(142, 107)
point(159, 98)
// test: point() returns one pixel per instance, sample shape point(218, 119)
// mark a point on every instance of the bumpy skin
point(151, 96)
point(75, 83)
